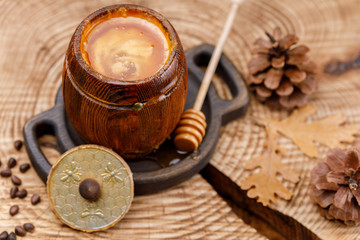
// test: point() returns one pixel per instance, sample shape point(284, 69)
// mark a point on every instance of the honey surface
point(127, 49)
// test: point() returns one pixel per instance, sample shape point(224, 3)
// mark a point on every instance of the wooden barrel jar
point(131, 117)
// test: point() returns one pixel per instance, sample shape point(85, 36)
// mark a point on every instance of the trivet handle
point(50, 122)
point(228, 110)
point(237, 106)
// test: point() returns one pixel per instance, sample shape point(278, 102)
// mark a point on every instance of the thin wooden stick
point(216, 56)
point(192, 125)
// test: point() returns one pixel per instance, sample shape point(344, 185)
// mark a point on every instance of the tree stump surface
point(329, 29)
point(34, 37)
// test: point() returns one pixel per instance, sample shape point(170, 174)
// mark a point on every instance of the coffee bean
point(13, 192)
point(35, 199)
point(24, 167)
point(15, 180)
point(18, 144)
point(5, 173)
point(11, 162)
point(14, 210)
point(21, 193)
point(20, 231)
point(11, 236)
point(29, 227)
point(4, 235)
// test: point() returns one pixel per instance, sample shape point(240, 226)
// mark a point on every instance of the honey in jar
point(126, 48)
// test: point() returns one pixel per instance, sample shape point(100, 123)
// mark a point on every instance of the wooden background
point(34, 35)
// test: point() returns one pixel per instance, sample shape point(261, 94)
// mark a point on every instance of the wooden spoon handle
point(216, 56)
point(192, 125)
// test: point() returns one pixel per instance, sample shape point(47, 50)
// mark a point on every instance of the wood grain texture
point(35, 35)
point(329, 28)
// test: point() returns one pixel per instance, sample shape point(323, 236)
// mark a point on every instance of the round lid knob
point(90, 188)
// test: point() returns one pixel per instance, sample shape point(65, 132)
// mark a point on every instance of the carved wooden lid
point(90, 188)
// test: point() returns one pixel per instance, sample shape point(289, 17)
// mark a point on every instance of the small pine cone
point(280, 74)
point(335, 186)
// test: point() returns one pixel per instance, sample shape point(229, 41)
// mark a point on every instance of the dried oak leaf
point(326, 131)
point(264, 185)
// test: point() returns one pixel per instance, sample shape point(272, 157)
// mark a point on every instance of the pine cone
point(336, 186)
point(280, 73)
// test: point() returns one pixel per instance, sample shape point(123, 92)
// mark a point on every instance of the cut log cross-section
point(35, 35)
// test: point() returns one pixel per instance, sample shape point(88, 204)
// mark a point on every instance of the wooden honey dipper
point(191, 128)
